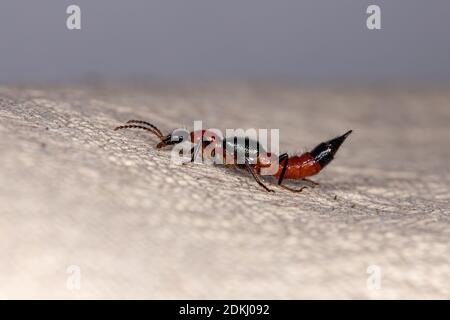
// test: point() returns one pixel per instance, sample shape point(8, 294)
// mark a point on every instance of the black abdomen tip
point(324, 152)
point(345, 135)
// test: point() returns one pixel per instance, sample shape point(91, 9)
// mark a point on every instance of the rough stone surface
point(75, 192)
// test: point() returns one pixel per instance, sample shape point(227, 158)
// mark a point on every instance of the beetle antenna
point(148, 124)
point(132, 126)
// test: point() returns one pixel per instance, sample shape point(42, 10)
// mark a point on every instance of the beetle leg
point(283, 158)
point(255, 176)
point(311, 182)
point(292, 189)
point(194, 152)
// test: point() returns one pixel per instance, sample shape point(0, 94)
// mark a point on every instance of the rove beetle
point(297, 167)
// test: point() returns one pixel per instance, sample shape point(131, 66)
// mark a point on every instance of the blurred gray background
point(311, 40)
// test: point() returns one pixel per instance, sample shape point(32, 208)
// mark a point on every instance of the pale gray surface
point(74, 192)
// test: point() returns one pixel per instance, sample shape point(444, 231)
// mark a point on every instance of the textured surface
point(74, 192)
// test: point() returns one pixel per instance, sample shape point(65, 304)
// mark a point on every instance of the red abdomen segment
point(299, 167)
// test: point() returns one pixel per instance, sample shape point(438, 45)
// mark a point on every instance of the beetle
point(253, 157)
